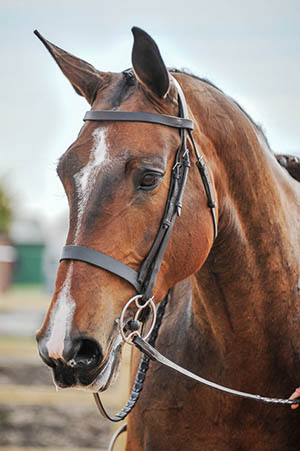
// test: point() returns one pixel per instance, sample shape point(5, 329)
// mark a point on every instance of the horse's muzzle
point(79, 363)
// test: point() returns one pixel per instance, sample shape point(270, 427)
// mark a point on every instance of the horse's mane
point(290, 162)
point(257, 127)
point(130, 79)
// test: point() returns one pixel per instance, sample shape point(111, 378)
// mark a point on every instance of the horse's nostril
point(81, 353)
point(89, 354)
point(45, 357)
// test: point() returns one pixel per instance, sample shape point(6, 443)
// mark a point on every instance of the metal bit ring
point(128, 338)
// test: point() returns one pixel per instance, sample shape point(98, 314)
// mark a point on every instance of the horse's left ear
point(85, 79)
point(148, 64)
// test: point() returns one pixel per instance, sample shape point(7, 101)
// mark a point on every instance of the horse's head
point(117, 176)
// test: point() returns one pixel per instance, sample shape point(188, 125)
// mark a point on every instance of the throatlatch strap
point(96, 258)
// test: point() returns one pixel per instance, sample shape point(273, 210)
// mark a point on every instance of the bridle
point(144, 280)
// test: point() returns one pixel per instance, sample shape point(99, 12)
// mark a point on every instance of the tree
point(5, 211)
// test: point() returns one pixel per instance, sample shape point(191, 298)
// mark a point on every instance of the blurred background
point(250, 51)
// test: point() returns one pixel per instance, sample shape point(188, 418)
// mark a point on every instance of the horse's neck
point(254, 263)
point(245, 296)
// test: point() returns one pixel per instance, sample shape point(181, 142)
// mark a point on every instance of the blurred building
point(27, 235)
point(38, 247)
point(55, 239)
point(8, 258)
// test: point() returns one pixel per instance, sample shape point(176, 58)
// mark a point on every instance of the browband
point(135, 116)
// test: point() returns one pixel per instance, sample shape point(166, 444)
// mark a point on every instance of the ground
point(32, 414)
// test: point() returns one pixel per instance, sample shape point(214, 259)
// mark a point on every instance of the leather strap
point(201, 165)
point(101, 260)
point(156, 356)
point(151, 265)
point(136, 116)
point(184, 112)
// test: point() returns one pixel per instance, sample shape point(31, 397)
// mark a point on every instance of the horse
point(230, 269)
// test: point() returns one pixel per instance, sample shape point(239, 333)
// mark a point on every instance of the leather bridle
point(144, 280)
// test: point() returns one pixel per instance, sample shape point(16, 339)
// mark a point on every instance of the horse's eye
point(150, 181)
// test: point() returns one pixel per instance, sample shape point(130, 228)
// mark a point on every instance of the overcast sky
point(249, 49)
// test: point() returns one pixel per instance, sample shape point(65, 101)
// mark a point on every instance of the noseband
point(144, 280)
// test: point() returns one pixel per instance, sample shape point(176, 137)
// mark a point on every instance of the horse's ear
point(84, 78)
point(148, 64)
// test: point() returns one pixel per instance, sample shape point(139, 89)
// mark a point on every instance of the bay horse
point(232, 277)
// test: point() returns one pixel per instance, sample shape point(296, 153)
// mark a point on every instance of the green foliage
point(5, 211)
point(5, 416)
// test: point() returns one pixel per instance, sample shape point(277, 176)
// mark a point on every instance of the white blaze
point(61, 318)
point(62, 314)
point(85, 179)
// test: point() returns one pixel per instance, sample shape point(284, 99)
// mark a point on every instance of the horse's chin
point(105, 375)
point(108, 371)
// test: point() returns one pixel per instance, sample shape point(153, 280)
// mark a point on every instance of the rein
point(147, 348)
point(156, 356)
point(150, 353)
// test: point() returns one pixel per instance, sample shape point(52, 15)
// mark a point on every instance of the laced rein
point(134, 337)
point(150, 353)
point(156, 356)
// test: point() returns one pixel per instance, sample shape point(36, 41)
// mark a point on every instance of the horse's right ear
point(148, 64)
point(84, 78)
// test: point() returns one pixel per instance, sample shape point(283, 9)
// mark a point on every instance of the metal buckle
point(128, 338)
